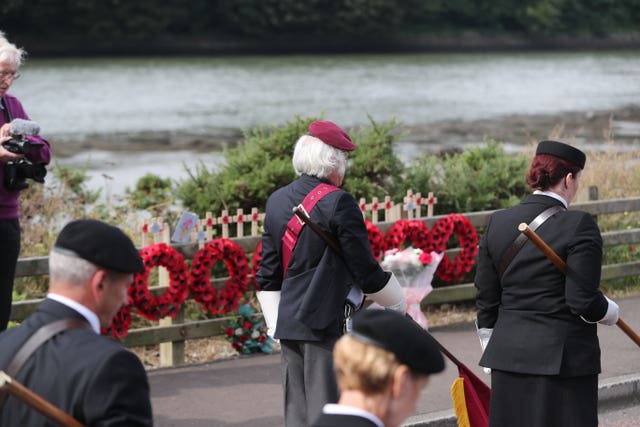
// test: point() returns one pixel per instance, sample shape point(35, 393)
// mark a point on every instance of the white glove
point(391, 296)
point(484, 334)
point(613, 312)
point(611, 316)
point(269, 301)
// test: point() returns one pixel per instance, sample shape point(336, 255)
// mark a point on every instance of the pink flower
point(425, 258)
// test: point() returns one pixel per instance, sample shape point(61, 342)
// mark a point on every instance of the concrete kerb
point(619, 390)
point(612, 392)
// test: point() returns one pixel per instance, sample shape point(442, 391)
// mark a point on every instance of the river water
point(73, 99)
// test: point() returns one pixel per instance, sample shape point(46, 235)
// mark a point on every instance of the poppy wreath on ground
point(248, 334)
point(119, 327)
point(227, 299)
point(169, 303)
point(376, 240)
point(255, 264)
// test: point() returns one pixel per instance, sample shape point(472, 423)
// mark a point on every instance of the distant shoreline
point(580, 127)
point(469, 41)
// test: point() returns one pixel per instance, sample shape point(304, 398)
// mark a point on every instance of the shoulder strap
point(294, 226)
point(517, 244)
point(42, 335)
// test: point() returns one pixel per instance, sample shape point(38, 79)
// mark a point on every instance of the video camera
point(16, 172)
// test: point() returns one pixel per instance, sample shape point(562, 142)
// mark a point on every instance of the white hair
point(70, 269)
point(10, 53)
point(313, 157)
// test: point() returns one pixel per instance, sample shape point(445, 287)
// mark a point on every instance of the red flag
point(471, 398)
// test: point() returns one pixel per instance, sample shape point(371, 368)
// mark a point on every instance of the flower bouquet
point(414, 269)
point(246, 333)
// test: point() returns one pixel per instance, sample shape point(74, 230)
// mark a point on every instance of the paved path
point(247, 392)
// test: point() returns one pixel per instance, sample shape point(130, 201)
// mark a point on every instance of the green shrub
point(480, 178)
point(262, 163)
point(252, 171)
point(374, 168)
point(151, 193)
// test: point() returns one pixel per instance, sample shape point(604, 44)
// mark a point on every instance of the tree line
point(121, 23)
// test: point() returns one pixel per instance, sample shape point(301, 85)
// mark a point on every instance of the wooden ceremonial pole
point(324, 236)
point(562, 266)
point(36, 402)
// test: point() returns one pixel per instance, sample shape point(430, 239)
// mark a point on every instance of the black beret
point(101, 244)
point(400, 335)
point(562, 150)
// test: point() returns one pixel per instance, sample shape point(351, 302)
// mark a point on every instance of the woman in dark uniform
point(538, 326)
point(382, 366)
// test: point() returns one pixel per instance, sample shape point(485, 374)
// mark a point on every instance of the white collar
point(91, 317)
point(333, 408)
point(554, 195)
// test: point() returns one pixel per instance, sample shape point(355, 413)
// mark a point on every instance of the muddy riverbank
point(589, 129)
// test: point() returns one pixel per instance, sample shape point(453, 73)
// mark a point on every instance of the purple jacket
point(9, 199)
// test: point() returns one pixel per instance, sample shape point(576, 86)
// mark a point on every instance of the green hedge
point(479, 178)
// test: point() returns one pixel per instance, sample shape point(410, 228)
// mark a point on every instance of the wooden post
point(363, 207)
point(593, 195)
point(239, 223)
point(256, 217)
point(418, 203)
point(144, 239)
point(431, 202)
point(208, 230)
point(171, 353)
point(396, 212)
point(374, 210)
point(409, 204)
point(388, 209)
point(224, 220)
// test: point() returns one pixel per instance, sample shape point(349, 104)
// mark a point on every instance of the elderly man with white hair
point(308, 291)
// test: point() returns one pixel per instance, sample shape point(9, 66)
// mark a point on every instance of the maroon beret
point(331, 134)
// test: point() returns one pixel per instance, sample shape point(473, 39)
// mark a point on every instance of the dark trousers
point(543, 400)
point(308, 380)
point(9, 251)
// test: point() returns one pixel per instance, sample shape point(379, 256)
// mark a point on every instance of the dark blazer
point(339, 420)
point(317, 280)
point(91, 377)
point(534, 309)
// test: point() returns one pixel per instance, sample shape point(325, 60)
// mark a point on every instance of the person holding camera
point(12, 165)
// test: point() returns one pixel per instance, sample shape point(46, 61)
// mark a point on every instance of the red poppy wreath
point(169, 303)
point(119, 327)
point(255, 264)
point(436, 240)
point(376, 240)
point(227, 299)
point(442, 230)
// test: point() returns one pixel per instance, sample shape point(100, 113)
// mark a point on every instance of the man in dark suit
point(303, 292)
point(89, 376)
point(538, 326)
point(382, 366)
